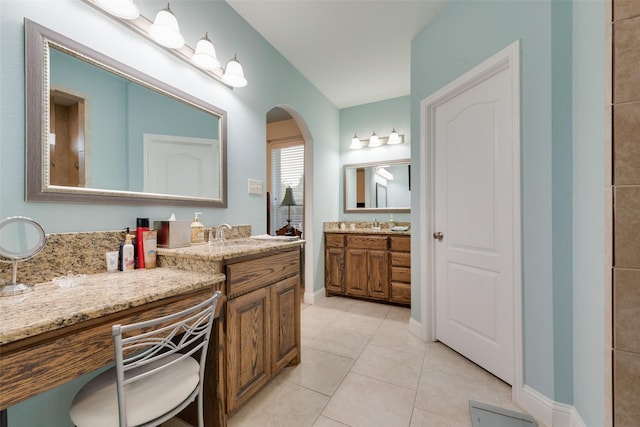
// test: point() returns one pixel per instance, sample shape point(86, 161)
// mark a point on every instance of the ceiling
point(353, 51)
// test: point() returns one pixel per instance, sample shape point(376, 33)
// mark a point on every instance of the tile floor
point(361, 367)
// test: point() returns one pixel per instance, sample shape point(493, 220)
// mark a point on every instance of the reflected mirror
point(378, 187)
point(101, 132)
point(20, 239)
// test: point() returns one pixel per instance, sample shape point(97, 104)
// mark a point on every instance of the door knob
point(438, 235)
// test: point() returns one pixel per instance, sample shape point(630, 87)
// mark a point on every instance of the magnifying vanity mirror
point(378, 187)
point(99, 131)
point(21, 238)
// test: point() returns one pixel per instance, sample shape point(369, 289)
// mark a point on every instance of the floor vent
point(483, 415)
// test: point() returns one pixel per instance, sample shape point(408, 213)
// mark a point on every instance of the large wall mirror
point(378, 187)
point(98, 131)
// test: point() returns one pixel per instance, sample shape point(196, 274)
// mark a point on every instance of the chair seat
point(96, 404)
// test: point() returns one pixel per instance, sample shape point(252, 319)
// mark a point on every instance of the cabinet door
point(356, 272)
point(248, 346)
point(285, 323)
point(334, 270)
point(378, 280)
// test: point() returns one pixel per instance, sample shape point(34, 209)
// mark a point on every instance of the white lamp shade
point(233, 74)
point(205, 54)
point(394, 138)
point(355, 143)
point(374, 141)
point(124, 9)
point(165, 30)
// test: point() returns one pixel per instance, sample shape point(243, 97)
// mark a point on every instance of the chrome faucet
point(220, 231)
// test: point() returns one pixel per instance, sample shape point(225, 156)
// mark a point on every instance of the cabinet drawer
point(334, 240)
point(400, 259)
point(245, 276)
point(401, 274)
point(400, 243)
point(400, 293)
point(367, 242)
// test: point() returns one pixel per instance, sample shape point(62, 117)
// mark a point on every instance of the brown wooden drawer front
point(245, 276)
point(367, 242)
point(400, 243)
point(401, 274)
point(400, 293)
point(400, 259)
point(334, 240)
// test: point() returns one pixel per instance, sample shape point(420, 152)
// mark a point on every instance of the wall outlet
point(255, 186)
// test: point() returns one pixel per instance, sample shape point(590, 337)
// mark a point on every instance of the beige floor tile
point(370, 309)
point(327, 422)
point(361, 401)
point(392, 366)
point(398, 316)
point(287, 405)
point(421, 418)
point(340, 341)
point(358, 323)
point(340, 303)
point(319, 371)
point(393, 336)
point(440, 357)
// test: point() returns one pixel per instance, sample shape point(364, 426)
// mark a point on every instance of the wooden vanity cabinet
point(400, 285)
point(367, 266)
point(376, 267)
point(263, 322)
point(334, 262)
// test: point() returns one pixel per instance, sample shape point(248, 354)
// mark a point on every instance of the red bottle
point(142, 224)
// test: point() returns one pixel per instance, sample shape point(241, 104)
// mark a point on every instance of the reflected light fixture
point(205, 54)
point(374, 141)
point(165, 29)
point(394, 138)
point(124, 9)
point(355, 143)
point(233, 73)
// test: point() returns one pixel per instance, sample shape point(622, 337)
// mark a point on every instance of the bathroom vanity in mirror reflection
point(378, 187)
point(101, 132)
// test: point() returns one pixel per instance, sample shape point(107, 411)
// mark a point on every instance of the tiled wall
point(626, 213)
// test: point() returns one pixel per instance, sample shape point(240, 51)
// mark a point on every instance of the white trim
point(416, 329)
point(548, 411)
point(311, 297)
point(507, 59)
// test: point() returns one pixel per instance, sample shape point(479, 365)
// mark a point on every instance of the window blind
point(287, 170)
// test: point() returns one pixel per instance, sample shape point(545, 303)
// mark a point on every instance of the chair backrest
point(137, 345)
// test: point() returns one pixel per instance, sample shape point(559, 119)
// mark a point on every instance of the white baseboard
point(313, 297)
point(550, 412)
point(416, 329)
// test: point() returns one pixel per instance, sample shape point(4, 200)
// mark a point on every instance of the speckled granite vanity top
point(52, 306)
point(365, 228)
point(233, 248)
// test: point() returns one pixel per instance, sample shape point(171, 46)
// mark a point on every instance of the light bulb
point(374, 141)
point(233, 74)
point(205, 54)
point(355, 143)
point(394, 138)
point(124, 9)
point(165, 30)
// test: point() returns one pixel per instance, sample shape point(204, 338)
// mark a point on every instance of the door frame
point(507, 59)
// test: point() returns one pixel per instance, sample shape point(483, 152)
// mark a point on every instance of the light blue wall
point(589, 89)
point(272, 81)
point(562, 247)
point(381, 117)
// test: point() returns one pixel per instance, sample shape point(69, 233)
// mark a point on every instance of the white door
point(474, 223)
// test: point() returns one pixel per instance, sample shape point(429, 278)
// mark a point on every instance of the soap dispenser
point(392, 222)
point(197, 230)
point(127, 254)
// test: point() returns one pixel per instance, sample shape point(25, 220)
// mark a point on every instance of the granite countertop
point(52, 306)
point(365, 228)
point(231, 248)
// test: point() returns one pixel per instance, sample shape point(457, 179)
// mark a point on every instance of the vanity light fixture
point(125, 9)
point(166, 32)
point(165, 29)
point(205, 54)
point(394, 138)
point(355, 143)
point(234, 74)
point(376, 141)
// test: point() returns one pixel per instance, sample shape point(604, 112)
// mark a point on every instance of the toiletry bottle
point(375, 225)
point(197, 230)
point(120, 262)
point(142, 225)
point(127, 254)
point(392, 222)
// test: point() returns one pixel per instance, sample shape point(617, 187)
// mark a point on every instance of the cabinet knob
point(438, 235)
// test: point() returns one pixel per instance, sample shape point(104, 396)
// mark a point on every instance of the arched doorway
point(289, 181)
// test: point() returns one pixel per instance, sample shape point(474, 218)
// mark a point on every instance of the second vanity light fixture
point(165, 31)
point(376, 141)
